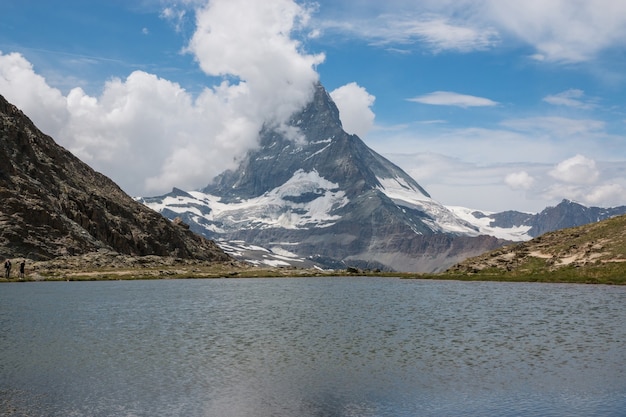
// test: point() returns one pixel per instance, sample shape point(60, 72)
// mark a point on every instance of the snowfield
point(442, 219)
point(279, 207)
point(517, 234)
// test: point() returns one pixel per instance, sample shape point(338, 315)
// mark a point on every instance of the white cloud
point(519, 180)
point(557, 126)
point(354, 104)
point(577, 170)
point(251, 41)
point(149, 134)
point(443, 35)
point(561, 30)
point(29, 91)
point(569, 98)
point(458, 182)
point(448, 98)
point(437, 32)
point(146, 133)
point(478, 159)
point(606, 195)
point(532, 187)
point(175, 16)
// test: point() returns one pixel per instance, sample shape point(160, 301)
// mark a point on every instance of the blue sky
point(488, 104)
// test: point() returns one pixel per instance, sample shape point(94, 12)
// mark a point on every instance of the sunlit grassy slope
point(593, 253)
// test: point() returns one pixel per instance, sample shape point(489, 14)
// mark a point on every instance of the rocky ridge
point(55, 205)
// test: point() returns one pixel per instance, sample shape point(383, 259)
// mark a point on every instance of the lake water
point(311, 347)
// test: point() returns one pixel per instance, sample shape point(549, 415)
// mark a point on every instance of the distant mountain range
point(54, 205)
point(311, 194)
point(519, 226)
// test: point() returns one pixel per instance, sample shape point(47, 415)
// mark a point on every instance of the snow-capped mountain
point(313, 191)
point(519, 226)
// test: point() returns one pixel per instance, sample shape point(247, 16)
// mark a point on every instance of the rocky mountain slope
point(53, 205)
point(519, 226)
point(313, 191)
point(595, 252)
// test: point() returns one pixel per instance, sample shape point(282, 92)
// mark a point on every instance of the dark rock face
point(380, 216)
point(53, 204)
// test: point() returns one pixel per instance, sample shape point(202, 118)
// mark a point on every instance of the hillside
point(593, 253)
point(55, 205)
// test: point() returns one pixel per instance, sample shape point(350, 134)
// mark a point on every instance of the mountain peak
point(313, 189)
point(321, 111)
point(313, 140)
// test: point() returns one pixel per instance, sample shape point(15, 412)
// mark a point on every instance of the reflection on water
point(311, 347)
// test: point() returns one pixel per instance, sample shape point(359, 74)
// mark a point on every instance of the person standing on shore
point(7, 268)
point(22, 268)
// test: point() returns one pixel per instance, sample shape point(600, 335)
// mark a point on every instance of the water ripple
point(311, 347)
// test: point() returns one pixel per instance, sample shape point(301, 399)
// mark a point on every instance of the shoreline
point(111, 266)
point(219, 271)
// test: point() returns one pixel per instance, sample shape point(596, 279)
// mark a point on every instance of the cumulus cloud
point(20, 84)
point(577, 170)
point(251, 41)
point(146, 133)
point(354, 103)
point(519, 180)
point(149, 134)
point(448, 98)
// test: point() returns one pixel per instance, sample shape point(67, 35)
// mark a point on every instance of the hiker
point(22, 267)
point(7, 269)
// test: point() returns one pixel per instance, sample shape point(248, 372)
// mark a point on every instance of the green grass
point(536, 271)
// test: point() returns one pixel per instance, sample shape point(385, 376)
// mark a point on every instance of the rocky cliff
point(52, 204)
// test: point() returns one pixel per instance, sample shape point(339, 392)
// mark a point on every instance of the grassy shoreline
point(44, 272)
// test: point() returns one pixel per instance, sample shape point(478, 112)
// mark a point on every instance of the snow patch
point(279, 207)
point(283, 252)
point(398, 189)
point(318, 152)
point(518, 233)
point(441, 219)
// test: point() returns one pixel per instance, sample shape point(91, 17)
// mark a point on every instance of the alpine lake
point(330, 346)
